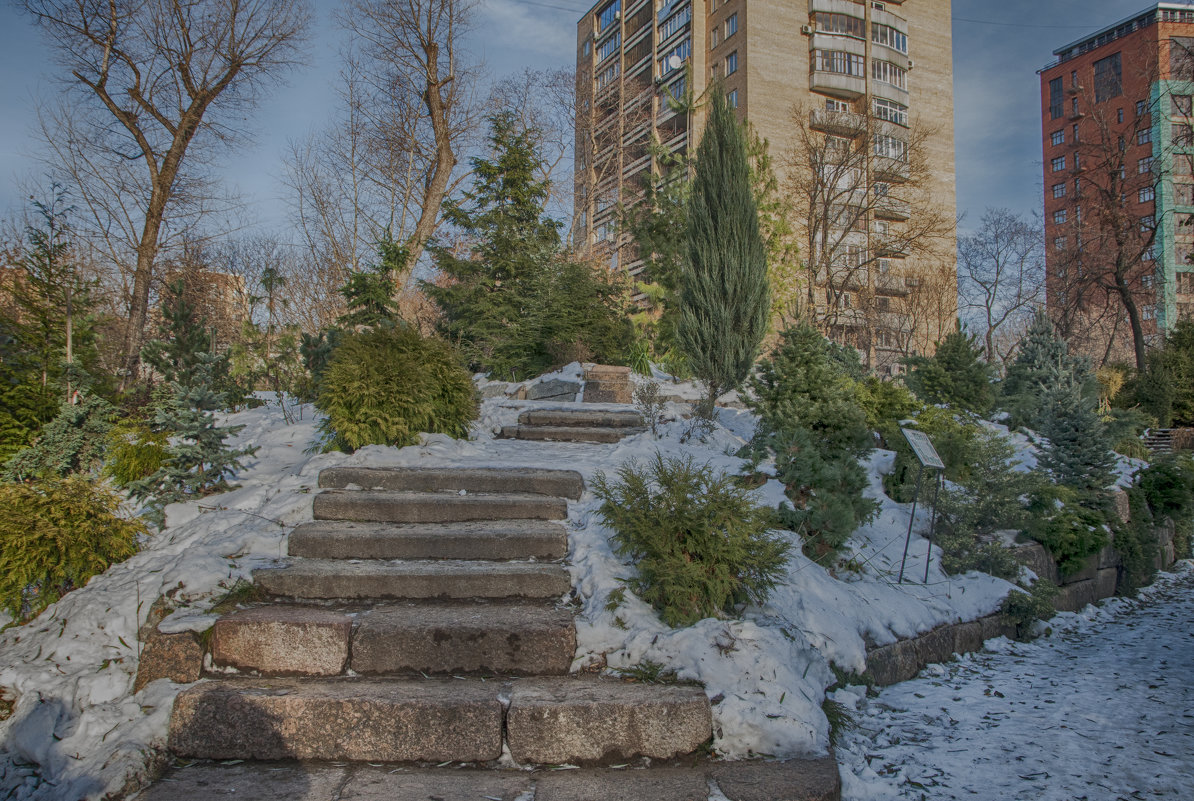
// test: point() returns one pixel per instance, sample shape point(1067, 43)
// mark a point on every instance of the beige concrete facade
point(899, 53)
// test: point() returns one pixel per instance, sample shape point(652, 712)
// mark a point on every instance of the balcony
point(891, 285)
point(836, 84)
point(837, 123)
point(889, 208)
point(885, 168)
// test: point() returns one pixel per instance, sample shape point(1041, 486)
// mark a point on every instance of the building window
point(1183, 134)
point(1059, 217)
point(732, 97)
point(1145, 165)
point(732, 63)
point(1150, 254)
point(586, 48)
point(1058, 190)
point(1119, 116)
point(1148, 312)
point(889, 73)
point(1058, 164)
point(1147, 281)
point(889, 37)
point(1144, 136)
point(1056, 95)
point(715, 38)
point(1074, 107)
point(1147, 194)
point(890, 147)
point(675, 23)
point(731, 24)
point(1108, 78)
point(1059, 243)
point(608, 75)
point(674, 58)
point(1077, 186)
point(608, 15)
point(881, 189)
point(1058, 138)
point(1141, 108)
point(1147, 223)
point(891, 111)
point(1182, 105)
point(608, 47)
point(1183, 194)
point(840, 62)
point(1076, 133)
point(828, 23)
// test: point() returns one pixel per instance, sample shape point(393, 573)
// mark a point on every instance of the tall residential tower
point(859, 94)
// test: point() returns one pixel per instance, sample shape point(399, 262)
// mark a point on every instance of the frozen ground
point(1101, 710)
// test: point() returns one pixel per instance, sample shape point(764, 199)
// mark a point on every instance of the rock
point(606, 372)
point(655, 784)
point(968, 637)
point(893, 663)
point(608, 392)
point(1034, 556)
point(283, 640)
point(1123, 508)
point(591, 721)
point(1109, 557)
point(1106, 581)
point(996, 626)
point(386, 784)
point(1072, 597)
point(204, 781)
point(553, 389)
point(1086, 572)
point(339, 719)
point(177, 657)
point(934, 646)
point(792, 780)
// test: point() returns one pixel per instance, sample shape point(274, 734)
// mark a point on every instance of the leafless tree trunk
point(1001, 276)
point(154, 83)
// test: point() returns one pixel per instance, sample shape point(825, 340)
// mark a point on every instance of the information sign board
point(922, 446)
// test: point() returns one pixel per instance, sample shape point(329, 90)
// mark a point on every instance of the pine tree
point(1079, 450)
point(182, 353)
point(371, 293)
point(956, 375)
point(1041, 356)
point(724, 296)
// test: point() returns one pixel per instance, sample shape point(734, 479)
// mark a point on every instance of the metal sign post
point(926, 455)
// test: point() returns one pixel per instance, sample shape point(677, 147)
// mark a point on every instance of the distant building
point(859, 73)
point(1118, 146)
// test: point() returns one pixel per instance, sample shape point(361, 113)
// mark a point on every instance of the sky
point(998, 47)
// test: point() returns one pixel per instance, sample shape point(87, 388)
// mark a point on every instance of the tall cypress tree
point(724, 294)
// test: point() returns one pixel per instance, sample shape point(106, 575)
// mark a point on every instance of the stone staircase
point(575, 425)
point(418, 621)
point(1159, 440)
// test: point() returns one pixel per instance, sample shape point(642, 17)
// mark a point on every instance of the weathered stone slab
point(1123, 508)
point(590, 721)
point(1072, 597)
point(386, 784)
point(934, 646)
point(1090, 566)
point(448, 579)
point(513, 539)
point(792, 780)
point(893, 663)
point(525, 480)
point(568, 433)
point(968, 637)
point(1109, 557)
point(996, 626)
point(490, 638)
point(606, 372)
point(177, 657)
point(433, 507)
point(651, 784)
point(338, 719)
point(554, 389)
point(608, 392)
point(1106, 581)
point(249, 782)
point(280, 640)
point(1034, 556)
point(584, 418)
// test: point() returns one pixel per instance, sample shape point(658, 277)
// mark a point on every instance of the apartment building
point(871, 81)
point(1118, 147)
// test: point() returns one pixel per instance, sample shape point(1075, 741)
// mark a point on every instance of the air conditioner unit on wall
point(807, 30)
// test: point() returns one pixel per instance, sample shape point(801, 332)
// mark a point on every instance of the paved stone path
point(1102, 711)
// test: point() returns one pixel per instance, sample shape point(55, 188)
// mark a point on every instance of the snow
point(1100, 708)
point(72, 669)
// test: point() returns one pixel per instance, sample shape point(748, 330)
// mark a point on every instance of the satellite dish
point(673, 62)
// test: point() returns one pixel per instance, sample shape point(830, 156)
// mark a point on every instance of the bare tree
point(158, 83)
point(1001, 277)
point(860, 186)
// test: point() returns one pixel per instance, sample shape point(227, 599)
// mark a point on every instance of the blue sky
point(997, 49)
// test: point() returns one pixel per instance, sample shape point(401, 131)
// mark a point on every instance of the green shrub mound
point(54, 536)
point(699, 541)
point(1069, 524)
point(384, 387)
point(134, 452)
point(71, 442)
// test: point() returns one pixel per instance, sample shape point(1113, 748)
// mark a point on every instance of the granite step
point(507, 539)
point(524, 480)
point(583, 418)
point(511, 639)
point(448, 579)
point(575, 720)
point(283, 640)
point(433, 507)
point(568, 433)
point(793, 780)
point(338, 719)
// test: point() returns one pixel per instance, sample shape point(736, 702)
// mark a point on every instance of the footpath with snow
point(77, 731)
point(1102, 708)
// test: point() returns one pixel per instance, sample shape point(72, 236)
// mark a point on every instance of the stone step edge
point(475, 480)
point(473, 540)
point(434, 507)
point(569, 433)
point(814, 779)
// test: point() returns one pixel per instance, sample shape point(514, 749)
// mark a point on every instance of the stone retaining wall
point(1099, 578)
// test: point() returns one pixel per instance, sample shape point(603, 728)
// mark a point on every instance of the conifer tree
point(1079, 450)
point(370, 294)
point(724, 296)
point(73, 442)
point(955, 375)
point(1041, 357)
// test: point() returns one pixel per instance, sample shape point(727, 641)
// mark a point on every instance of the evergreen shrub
point(955, 375)
point(54, 536)
point(699, 541)
point(384, 387)
point(1023, 607)
point(1071, 525)
point(71, 442)
point(1136, 543)
point(957, 442)
point(134, 452)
